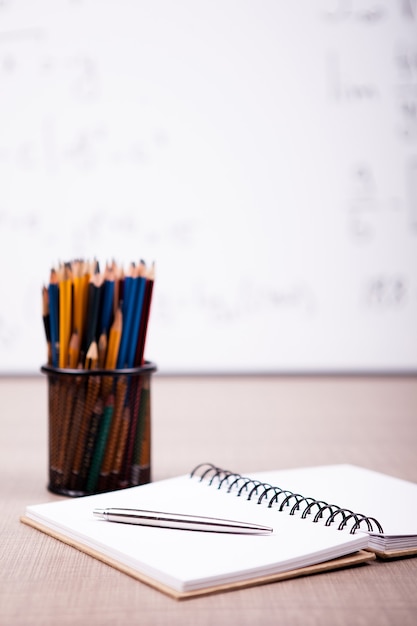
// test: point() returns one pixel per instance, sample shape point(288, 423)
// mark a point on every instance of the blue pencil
point(130, 283)
point(137, 317)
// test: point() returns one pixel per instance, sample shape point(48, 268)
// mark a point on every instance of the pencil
point(93, 429)
point(100, 446)
point(47, 322)
point(135, 394)
point(112, 351)
point(73, 350)
point(141, 463)
point(53, 297)
point(120, 449)
point(91, 360)
point(93, 308)
point(68, 394)
point(119, 403)
point(78, 411)
point(129, 291)
point(85, 282)
point(102, 349)
point(79, 298)
point(107, 304)
point(140, 349)
point(114, 340)
point(118, 289)
point(137, 313)
point(65, 314)
point(93, 390)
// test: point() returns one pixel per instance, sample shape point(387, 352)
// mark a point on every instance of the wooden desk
point(244, 424)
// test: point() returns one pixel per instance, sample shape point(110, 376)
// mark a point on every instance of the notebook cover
point(362, 556)
point(395, 554)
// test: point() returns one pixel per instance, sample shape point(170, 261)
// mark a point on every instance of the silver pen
point(176, 520)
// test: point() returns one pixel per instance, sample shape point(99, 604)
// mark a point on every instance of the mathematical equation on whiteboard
point(354, 85)
point(285, 204)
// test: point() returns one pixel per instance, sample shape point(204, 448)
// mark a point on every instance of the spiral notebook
point(310, 534)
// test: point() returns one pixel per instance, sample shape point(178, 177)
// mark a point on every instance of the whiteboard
point(263, 153)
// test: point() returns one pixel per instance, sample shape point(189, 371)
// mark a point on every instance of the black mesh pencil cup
point(99, 428)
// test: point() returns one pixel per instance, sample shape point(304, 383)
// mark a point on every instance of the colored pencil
point(53, 296)
point(96, 322)
point(81, 305)
point(65, 313)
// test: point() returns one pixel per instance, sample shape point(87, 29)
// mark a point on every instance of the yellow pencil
point(79, 297)
point(112, 352)
point(114, 340)
point(65, 311)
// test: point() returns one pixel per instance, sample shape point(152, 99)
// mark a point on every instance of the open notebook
point(187, 563)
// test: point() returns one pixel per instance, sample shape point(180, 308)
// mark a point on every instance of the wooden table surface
point(240, 423)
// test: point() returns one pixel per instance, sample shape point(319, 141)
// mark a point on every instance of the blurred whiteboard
point(262, 153)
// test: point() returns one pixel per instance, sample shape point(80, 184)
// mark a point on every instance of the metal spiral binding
point(283, 498)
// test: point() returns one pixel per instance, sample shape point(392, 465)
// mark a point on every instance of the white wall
point(263, 153)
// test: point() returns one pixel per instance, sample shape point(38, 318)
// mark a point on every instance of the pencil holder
point(99, 429)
